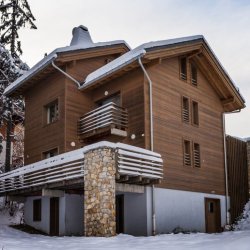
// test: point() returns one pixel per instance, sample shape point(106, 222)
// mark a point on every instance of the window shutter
point(185, 109)
point(187, 153)
point(197, 155)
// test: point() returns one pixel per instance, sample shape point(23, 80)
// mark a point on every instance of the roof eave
point(96, 80)
point(12, 89)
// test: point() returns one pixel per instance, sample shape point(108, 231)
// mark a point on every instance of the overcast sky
point(224, 23)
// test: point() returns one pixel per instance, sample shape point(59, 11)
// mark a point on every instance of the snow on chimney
point(81, 36)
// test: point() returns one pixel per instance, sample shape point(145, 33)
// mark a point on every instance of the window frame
point(37, 210)
point(103, 101)
point(194, 160)
point(195, 118)
point(44, 153)
point(189, 143)
point(47, 118)
point(186, 99)
point(194, 81)
point(183, 76)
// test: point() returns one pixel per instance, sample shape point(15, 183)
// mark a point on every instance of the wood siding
point(78, 103)
point(130, 87)
point(170, 130)
point(237, 175)
point(39, 136)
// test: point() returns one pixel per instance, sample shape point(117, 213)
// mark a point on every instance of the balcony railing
point(109, 115)
point(59, 168)
point(133, 165)
point(138, 162)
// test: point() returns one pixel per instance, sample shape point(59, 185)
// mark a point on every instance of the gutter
point(225, 166)
point(66, 74)
point(151, 140)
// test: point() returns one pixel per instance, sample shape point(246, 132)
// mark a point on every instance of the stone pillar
point(99, 192)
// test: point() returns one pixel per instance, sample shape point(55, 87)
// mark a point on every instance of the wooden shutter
point(185, 109)
point(187, 153)
point(196, 152)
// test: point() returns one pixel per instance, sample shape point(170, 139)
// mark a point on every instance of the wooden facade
point(190, 93)
point(169, 129)
point(237, 175)
point(93, 92)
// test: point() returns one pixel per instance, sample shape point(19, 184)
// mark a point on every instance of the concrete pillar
point(99, 192)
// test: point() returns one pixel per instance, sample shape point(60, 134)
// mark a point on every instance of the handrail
point(130, 160)
point(106, 115)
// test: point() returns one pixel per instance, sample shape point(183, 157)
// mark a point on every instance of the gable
point(194, 48)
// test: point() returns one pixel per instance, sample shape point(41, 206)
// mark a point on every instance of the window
point(195, 114)
point(211, 207)
point(191, 155)
point(37, 210)
point(187, 153)
point(50, 153)
point(183, 68)
point(185, 109)
point(193, 74)
point(196, 155)
point(52, 112)
point(113, 98)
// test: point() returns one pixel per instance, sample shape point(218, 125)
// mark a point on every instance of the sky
point(224, 23)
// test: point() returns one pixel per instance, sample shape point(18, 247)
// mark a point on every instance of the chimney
point(81, 36)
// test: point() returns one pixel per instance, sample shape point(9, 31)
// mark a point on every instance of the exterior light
point(133, 136)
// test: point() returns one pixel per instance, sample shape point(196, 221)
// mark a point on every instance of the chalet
point(121, 140)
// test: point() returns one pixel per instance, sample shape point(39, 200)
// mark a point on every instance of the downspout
point(151, 141)
point(225, 166)
point(66, 74)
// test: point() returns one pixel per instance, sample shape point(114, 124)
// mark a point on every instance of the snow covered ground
point(12, 239)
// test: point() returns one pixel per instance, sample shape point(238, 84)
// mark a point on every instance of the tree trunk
point(8, 144)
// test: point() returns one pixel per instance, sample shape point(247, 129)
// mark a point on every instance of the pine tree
point(10, 108)
point(15, 14)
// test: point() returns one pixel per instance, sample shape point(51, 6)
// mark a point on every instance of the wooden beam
point(123, 178)
point(228, 101)
point(156, 181)
point(135, 179)
point(145, 181)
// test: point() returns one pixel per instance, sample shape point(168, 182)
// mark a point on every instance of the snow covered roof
point(130, 57)
point(140, 51)
point(81, 40)
point(113, 66)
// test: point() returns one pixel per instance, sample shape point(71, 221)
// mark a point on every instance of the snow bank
point(244, 222)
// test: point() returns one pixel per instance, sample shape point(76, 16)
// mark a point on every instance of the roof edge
point(33, 71)
point(52, 56)
point(90, 81)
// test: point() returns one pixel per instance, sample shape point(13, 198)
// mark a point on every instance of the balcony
point(134, 165)
point(59, 169)
point(109, 119)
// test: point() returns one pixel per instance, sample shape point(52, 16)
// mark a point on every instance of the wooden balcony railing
point(59, 168)
point(109, 115)
point(133, 165)
point(143, 164)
